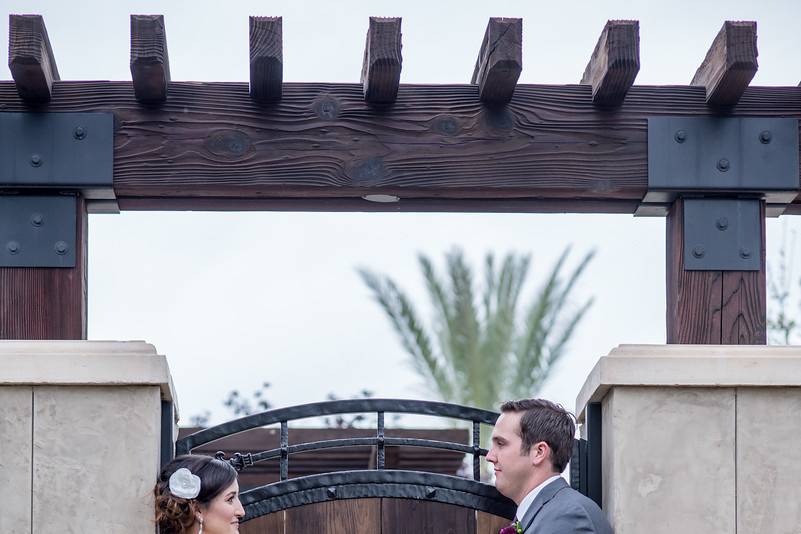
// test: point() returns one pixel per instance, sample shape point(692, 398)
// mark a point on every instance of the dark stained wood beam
point(712, 307)
point(266, 59)
point(615, 62)
point(46, 303)
point(499, 61)
point(30, 58)
point(381, 68)
point(730, 64)
point(150, 64)
point(550, 146)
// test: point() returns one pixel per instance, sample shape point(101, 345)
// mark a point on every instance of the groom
point(531, 445)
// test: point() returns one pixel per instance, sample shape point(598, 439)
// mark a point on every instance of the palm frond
point(413, 336)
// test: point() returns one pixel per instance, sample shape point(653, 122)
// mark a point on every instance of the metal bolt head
point(722, 223)
point(765, 136)
point(79, 133)
point(680, 136)
point(13, 247)
point(745, 253)
point(332, 492)
point(430, 492)
point(723, 165)
point(36, 160)
point(699, 251)
point(61, 248)
point(37, 219)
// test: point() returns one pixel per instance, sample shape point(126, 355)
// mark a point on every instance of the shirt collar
point(524, 505)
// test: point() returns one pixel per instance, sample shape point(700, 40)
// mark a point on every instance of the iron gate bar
point(380, 457)
point(362, 442)
point(476, 450)
point(284, 450)
point(376, 483)
point(281, 415)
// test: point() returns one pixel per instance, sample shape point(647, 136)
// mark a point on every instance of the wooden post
point(46, 303)
point(713, 307)
point(30, 58)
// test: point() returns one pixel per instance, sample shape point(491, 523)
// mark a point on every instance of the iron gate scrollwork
point(378, 482)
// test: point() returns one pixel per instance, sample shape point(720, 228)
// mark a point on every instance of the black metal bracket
point(721, 156)
point(61, 151)
point(38, 231)
point(722, 234)
point(46, 159)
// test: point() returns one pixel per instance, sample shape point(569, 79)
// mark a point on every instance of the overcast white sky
point(235, 299)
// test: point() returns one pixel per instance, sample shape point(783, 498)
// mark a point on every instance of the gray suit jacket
point(559, 509)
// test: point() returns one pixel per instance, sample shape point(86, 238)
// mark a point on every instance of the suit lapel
point(547, 493)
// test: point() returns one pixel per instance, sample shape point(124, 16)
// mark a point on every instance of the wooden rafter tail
point(30, 58)
point(730, 64)
point(266, 59)
point(381, 68)
point(615, 62)
point(500, 60)
point(150, 64)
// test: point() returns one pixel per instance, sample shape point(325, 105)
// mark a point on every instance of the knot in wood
point(228, 143)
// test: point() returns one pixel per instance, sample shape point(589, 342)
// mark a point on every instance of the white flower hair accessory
point(184, 484)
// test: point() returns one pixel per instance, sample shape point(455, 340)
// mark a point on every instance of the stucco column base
point(80, 435)
point(699, 438)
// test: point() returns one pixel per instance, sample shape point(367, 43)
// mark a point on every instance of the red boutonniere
point(514, 528)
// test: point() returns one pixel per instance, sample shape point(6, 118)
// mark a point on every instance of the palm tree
point(484, 351)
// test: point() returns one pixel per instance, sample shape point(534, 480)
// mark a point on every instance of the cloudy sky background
point(235, 299)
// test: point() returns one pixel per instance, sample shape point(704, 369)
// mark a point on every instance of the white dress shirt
point(524, 505)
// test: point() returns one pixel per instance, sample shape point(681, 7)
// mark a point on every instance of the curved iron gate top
point(378, 482)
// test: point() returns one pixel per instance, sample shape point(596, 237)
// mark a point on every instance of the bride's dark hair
point(175, 515)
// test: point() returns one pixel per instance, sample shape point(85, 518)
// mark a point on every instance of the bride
point(198, 495)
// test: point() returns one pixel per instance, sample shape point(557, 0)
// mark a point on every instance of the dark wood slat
point(322, 141)
point(336, 517)
point(744, 303)
point(267, 524)
point(402, 516)
point(30, 58)
point(46, 303)
point(266, 59)
point(499, 61)
point(730, 64)
point(381, 68)
point(490, 524)
point(615, 62)
point(150, 64)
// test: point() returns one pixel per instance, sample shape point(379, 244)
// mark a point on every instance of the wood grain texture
point(490, 524)
point(402, 516)
point(266, 59)
point(744, 302)
point(499, 61)
point(712, 307)
point(46, 303)
point(381, 67)
point(322, 141)
point(615, 62)
point(267, 524)
point(150, 63)
point(30, 58)
point(336, 517)
point(730, 64)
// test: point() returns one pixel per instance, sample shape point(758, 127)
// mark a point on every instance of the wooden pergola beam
point(381, 68)
point(730, 64)
point(499, 61)
point(615, 62)
point(266, 59)
point(321, 143)
point(30, 58)
point(150, 64)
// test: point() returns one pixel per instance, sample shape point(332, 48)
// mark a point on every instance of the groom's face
point(513, 468)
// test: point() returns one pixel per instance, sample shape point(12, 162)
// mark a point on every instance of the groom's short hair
point(543, 420)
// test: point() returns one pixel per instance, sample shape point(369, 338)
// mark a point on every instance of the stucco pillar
point(81, 427)
point(699, 438)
